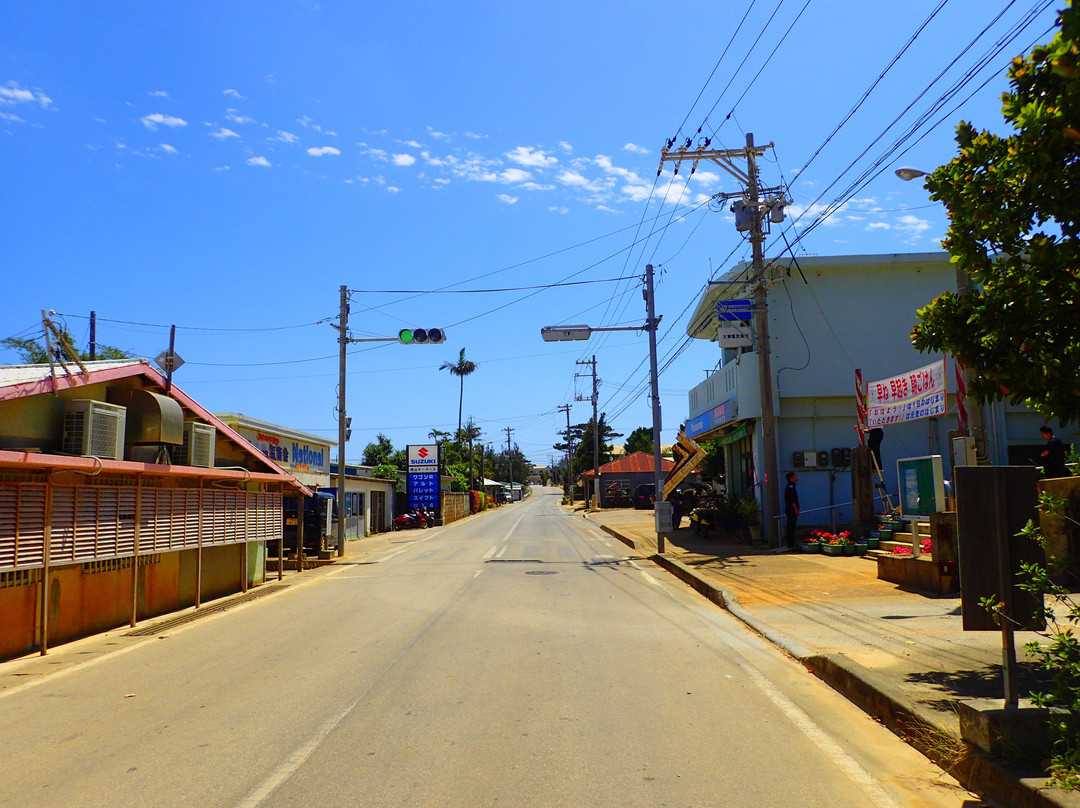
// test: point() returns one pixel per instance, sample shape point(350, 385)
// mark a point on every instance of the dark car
point(644, 496)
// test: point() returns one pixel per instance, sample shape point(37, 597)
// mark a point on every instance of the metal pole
point(171, 361)
point(770, 490)
point(595, 435)
point(343, 341)
point(93, 336)
point(510, 460)
point(658, 475)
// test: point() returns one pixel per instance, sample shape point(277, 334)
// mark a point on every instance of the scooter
point(702, 520)
point(410, 519)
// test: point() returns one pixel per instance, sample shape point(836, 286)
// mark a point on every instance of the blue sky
point(226, 167)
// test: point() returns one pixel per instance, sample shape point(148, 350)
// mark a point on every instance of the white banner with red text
point(919, 393)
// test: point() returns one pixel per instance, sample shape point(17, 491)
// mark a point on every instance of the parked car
point(644, 496)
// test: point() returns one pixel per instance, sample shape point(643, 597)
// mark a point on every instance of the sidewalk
point(901, 655)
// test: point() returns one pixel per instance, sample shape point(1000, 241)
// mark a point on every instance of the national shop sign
point(919, 393)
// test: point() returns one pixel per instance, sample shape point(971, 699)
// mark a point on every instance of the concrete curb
point(879, 697)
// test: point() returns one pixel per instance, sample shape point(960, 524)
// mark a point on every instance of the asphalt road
point(518, 658)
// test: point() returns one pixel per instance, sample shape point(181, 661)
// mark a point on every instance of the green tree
point(1014, 210)
point(379, 451)
point(640, 440)
point(462, 368)
point(582, 437)
point(35, 352)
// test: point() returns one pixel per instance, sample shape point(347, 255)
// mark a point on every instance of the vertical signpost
point(422, 479)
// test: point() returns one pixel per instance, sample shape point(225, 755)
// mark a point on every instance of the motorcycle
point(411, 519)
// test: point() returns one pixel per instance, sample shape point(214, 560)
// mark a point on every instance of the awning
point(326, 494)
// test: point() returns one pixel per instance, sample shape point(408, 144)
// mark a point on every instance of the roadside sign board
point(422, 478)
point(729, 310)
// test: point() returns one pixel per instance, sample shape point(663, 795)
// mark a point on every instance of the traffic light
point(348, 427)
point(421, 336)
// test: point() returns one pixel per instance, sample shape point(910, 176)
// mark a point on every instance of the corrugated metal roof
point(22, 374)
point(635, 463)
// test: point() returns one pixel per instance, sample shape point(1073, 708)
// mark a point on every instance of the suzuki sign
point(423, 457)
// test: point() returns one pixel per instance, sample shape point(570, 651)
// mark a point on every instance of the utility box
point(993, 504)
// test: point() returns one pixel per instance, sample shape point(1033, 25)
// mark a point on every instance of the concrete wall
point(455, 505)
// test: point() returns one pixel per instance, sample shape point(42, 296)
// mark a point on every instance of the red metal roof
point(635, 463)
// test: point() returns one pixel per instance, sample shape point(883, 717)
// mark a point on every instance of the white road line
point(295, 760)
point(477, 574)
point(501, 552)
point(490, 553)
point(649, 578)
point(847, 764)
point(388, 557)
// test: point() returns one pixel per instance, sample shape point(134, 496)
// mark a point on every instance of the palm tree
point(462, 368)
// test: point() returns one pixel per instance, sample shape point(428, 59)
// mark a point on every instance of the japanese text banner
point(919, 393)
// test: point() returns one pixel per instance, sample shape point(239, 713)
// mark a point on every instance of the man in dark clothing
point(1053, 456)
point(791, 507)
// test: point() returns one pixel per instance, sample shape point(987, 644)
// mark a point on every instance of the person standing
point(791, 507)
point(1053, 456)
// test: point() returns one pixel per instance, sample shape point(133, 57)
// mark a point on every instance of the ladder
point(883, 492)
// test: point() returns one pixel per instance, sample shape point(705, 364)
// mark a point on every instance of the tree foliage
point(1014, 209)
point(640, 440)
point(35, 352)
point(581, 435)
point(462, 368)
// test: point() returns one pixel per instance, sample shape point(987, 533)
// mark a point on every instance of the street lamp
point(975, 423)
point(560, 333)
point(907, 173)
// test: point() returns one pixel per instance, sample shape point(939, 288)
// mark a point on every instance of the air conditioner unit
point(198, 446)
point(94, 429)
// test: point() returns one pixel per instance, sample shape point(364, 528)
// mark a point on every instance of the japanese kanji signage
point(920, 393)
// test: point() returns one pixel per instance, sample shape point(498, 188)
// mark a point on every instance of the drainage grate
point(203, 611)
point(541, 572)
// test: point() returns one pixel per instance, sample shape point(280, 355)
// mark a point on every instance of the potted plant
point(812, 543)
point(747, 510)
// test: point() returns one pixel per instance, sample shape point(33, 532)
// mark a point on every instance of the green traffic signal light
point(421, 336)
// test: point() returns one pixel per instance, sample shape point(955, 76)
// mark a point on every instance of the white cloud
point(438, 135)
point(474, 136)
point(165, 147)
point(224, 134)
point(258, 161)
point(237, 118)
point(152, 122)
point(636, 149)
point(514, 175)
point(507, 199)
point(533, 158)
point(393, 189)
point(879, 226)
point(441, 181)
point(403, 159)
point(12, 93)
point(233, 93)
point(324, 150)
point(158, 94)
point(4, 116)
point(285, 137)
point(410, 143)
point(566, 147)
point(559, 209)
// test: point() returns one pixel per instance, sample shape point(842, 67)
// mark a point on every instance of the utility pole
point(568, 482)
point(752, 213)
point(654, 383)
point(596, 426)
point(93, 336)
point(510, 459)
point(343, 342)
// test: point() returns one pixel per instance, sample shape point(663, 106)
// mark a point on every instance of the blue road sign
point(727, 310)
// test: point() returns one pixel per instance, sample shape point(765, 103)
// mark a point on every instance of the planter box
point(885, 534)
point(872, 543)
point(861, 548)
point(811, 547)
point(833, 549)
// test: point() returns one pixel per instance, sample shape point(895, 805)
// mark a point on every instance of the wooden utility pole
point(596, 427)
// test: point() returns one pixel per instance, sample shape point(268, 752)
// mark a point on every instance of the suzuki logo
point(423, 452)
